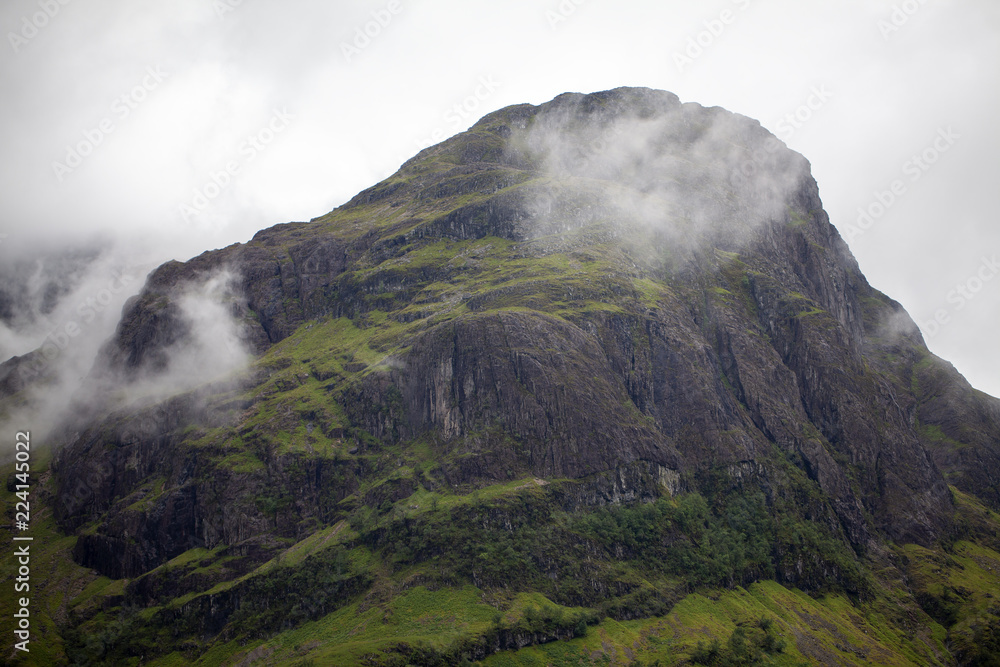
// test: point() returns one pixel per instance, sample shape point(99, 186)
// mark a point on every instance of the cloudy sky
point(171, 128)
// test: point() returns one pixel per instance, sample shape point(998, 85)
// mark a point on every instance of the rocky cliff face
point(616, 294)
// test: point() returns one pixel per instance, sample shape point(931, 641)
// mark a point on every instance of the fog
point(139, 132)
point(210, 345)
point(61, 363)
point(695, 177)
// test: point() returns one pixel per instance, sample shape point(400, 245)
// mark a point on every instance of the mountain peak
point(699, 177)
point(603, 300)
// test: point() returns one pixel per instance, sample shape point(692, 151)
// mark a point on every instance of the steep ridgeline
point(608, 350)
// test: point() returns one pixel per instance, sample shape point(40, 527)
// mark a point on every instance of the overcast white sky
point(154, 98)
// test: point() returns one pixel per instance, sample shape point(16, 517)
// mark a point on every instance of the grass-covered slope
point(595, 382)
point(507, 575)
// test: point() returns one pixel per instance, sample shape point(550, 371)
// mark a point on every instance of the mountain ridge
point(604, 300)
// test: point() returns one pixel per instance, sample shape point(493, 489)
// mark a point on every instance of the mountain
point(594, 382)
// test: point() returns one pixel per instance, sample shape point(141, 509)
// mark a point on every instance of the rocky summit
point(593, 382)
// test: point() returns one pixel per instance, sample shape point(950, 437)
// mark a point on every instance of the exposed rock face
point(610, 286)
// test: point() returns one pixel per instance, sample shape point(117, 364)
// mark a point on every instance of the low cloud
point(57, 307)
point(693, 175)
point(213, 347)
point(65, 311)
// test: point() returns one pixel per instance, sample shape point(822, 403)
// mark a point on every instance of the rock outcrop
point(617, 290)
